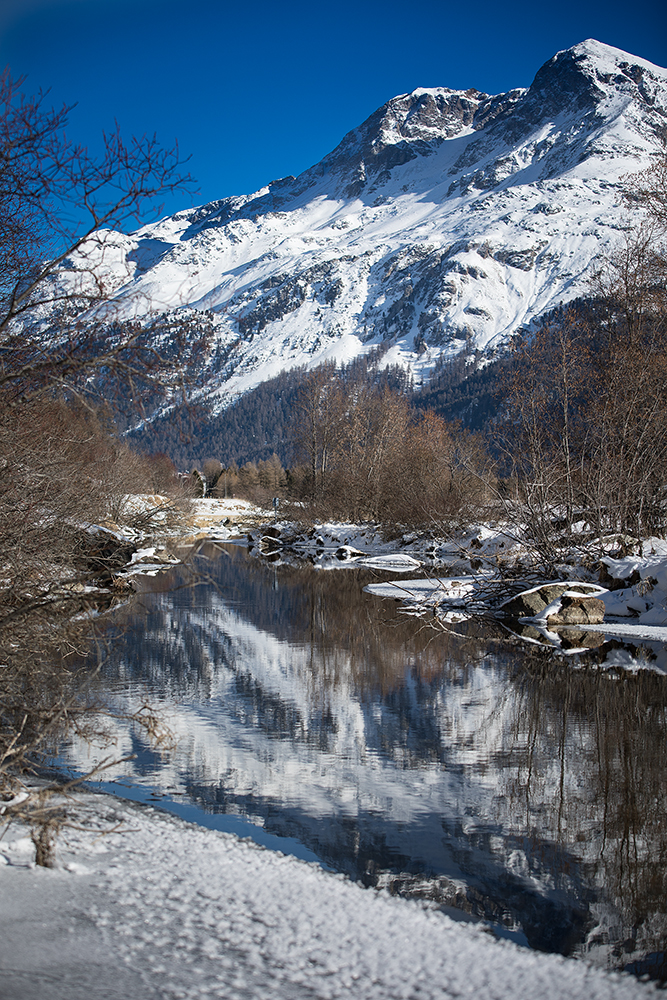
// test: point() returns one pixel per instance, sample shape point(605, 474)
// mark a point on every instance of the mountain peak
point(403, 128)
point(607, 58)
point(581, 75)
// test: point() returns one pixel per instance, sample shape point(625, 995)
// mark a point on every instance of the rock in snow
point(547, 600)
point(574, 610)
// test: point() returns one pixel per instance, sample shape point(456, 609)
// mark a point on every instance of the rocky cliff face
point(443, 223)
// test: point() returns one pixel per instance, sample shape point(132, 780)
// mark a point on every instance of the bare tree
point(61, 468)
point(58, 207)
point(320, 411)
point(372, 458)
point(625, 447)
point(586, 424)
point(551, 383)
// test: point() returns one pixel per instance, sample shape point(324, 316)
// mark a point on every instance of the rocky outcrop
point(558, 604)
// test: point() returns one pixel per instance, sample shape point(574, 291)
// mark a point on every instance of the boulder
point(526, 605)
point(620, 582)
point(575, 610)
point(531, 603)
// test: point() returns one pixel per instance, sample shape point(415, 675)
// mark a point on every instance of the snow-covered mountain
point(445, 222)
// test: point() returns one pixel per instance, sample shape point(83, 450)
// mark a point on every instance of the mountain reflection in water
point(501, 783)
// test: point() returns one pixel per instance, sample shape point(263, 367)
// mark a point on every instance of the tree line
point(253, 427)
point(360, 451)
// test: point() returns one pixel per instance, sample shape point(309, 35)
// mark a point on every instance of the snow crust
point(142, 904)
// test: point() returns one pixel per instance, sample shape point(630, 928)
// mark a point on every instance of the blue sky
point(257, 91)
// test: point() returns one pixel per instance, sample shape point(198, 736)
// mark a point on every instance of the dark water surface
point(503, 784)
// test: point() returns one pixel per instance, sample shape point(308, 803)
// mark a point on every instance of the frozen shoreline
point(158, 908)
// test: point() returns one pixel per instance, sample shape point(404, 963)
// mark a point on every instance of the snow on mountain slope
point(444, 222)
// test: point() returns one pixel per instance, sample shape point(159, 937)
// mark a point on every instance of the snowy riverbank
point(475, 570)
point(142, 905)
point(468, 573)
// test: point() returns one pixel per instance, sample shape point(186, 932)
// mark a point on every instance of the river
point(498, 781)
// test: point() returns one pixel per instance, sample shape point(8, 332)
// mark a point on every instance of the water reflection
point(493, 779)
